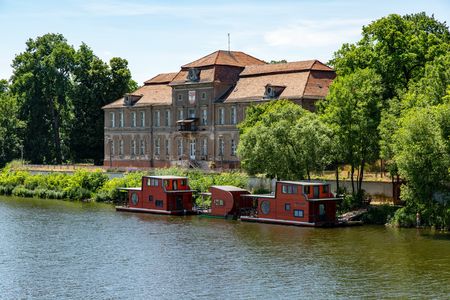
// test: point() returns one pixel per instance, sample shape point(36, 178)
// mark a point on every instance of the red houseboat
point(161, 195)
point(227, 201)
point(301, 203)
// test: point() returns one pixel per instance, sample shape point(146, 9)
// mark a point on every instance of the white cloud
point(316, 33)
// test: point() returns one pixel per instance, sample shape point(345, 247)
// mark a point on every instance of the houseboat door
point(192, 150)
point(316, 193)
point(322, 214)
point(178, 202)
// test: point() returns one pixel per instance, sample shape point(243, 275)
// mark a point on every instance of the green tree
point(265, 142)
point(10, 126)
point(41, 81)
point(312, 142)
point(352, 111)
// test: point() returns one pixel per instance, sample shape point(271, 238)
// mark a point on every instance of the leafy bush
point(21, 191)
point(380, 214)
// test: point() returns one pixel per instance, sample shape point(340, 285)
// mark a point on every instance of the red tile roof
point(226, 58)
point(161, 78)
point(285, 68)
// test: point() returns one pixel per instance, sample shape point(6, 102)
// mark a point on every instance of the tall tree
point(352, 110)
point(41, 81)
point(10, 126)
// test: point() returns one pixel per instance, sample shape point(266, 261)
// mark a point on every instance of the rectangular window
point(157, 118)
point(133, 119)
point(221, 116)
point(289, 189)
point(218, 202)
point(133, 147)
point(150, 198)
point(287, 206)
point(306, 189)
point(233, 115)
point(180, 147)
point(204, 116)
point(299, 213)
point(142, 147)
point(191, 95)
point(221, 147)
point(142, 118)
point(113, 119)
point(113, 150)
point(180, 114)
point(152, 182)
point(167, 118)
point(121, 147)
point(205, 147)
point(167, 147)
point(192, 113)
point(326, 188)
point(121, 122)
point(175, 185)
point(183, 182)
point(180, 97)
point(157, 146)
point(233, 148)
point(158, 203)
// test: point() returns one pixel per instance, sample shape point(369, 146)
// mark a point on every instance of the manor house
point(189, 117)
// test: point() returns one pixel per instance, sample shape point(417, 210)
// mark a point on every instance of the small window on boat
point(326, 188)
point(183, 182)
point(218, 202)
point(175, 184)
point(150, 198)
point(287, 206)
point(166, 183)
point(289, 189)
point(284, 189)
point(158, 203)
point(306, 189)
point(299, 213)
point(152, 182)
point(134, 199)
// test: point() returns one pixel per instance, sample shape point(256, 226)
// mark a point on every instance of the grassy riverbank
point(94, 185)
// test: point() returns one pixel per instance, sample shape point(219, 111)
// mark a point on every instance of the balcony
point(187, 125)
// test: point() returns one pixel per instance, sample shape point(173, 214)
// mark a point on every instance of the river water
point(55, 250)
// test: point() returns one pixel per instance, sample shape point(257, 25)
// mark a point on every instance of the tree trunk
point(360, 177)
point(353, 182)
point(56, 137)
point(308, 174)
point(337, 178)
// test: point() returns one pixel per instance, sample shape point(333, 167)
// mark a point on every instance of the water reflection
point(56, 249)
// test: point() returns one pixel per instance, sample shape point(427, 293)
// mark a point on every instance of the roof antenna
point(228, 42)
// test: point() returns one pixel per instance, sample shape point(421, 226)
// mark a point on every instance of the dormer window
point(273, 91)
point(193, 75)
point(130, 100)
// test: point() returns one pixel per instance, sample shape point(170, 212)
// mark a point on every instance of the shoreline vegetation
point(94, 185)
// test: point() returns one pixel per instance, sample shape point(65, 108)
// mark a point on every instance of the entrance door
point(192, 150)
point(322, 213)
point(316, 193)
point(179, 202)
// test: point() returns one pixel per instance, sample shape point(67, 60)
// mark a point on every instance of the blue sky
point(160, 36)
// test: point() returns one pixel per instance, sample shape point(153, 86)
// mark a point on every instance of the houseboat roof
point(324, 199)
point(304, 182)
point(165, 177)
point(129, 188)
point(260, 196)
point(229, 188)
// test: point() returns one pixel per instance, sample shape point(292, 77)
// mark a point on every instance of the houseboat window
point(183, 182)
point(150, 198)
point(174, 183)
point(218, 202)
point(166, 183)
point(152, 182)
point(287, 206)
point(321, 209)
point(306, 189)
point(158, 203)
point(326, 188)
point(134, 198)
point(299, 213)
point(265, 207)
point(289, 189)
